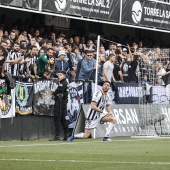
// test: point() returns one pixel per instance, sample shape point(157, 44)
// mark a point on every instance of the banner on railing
point(128, 93)
point(7, 104)
point(43, 100)
point(107, 10)
point(24, 97)
point(158, 95)
point(146, 13)
point(74, 103)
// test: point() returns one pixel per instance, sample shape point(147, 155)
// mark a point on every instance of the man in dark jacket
point(60, 107)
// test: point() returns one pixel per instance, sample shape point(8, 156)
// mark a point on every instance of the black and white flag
point(43, 100)
point(75, 100)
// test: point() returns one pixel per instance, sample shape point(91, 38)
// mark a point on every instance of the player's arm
point(108, 108)
point(94, 107)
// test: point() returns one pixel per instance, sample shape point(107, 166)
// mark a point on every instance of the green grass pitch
point(87, 154)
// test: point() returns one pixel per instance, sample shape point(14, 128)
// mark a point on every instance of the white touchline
point(82, 161)
point(73, 143)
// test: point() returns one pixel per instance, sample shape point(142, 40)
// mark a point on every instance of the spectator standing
point(88, 66)
point(60, 41)
point(111, 49)
point(49, 68)
point(53, 38)
point(108, 68)
point(13, 68)
point(62, 64)
point(117, 73)
point(76, 41)
point(42, 62)
point(31, 64)
point(12, 37)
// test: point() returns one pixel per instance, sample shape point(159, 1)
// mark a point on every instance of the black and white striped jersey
point(101, 101)
point(13, 69)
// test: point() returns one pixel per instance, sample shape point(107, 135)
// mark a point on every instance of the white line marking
point(73, 143)
point(82, 161)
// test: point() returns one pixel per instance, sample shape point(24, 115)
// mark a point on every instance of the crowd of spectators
point(30, 54)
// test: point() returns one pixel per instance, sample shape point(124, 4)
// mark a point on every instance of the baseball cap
point(119, 45)
point(61, 53)
point(125, 49)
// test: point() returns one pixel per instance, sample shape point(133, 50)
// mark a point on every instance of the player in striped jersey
point(97, 113)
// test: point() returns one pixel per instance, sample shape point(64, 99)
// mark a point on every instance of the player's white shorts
point(91, 124)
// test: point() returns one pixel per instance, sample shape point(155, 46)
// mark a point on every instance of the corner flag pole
point(96, 76)
point(97, 62)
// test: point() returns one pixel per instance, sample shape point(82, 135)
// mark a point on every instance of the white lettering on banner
point(97, 3)
point(157, 12)
point(124, 129)
point(40, 85)
point(126, 118)
point(134, 116)
point(129, 91)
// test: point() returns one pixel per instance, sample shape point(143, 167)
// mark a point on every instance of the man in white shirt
point(108, 68)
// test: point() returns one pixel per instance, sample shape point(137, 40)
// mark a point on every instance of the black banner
point(30, 4)
point(146, 13)
point(24, 97)
point(128, 93)
point(101, 9)
point(43, 100)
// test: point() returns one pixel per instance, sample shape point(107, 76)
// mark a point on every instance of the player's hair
point(106, 82)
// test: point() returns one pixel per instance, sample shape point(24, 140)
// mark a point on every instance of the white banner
point(7, 105)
